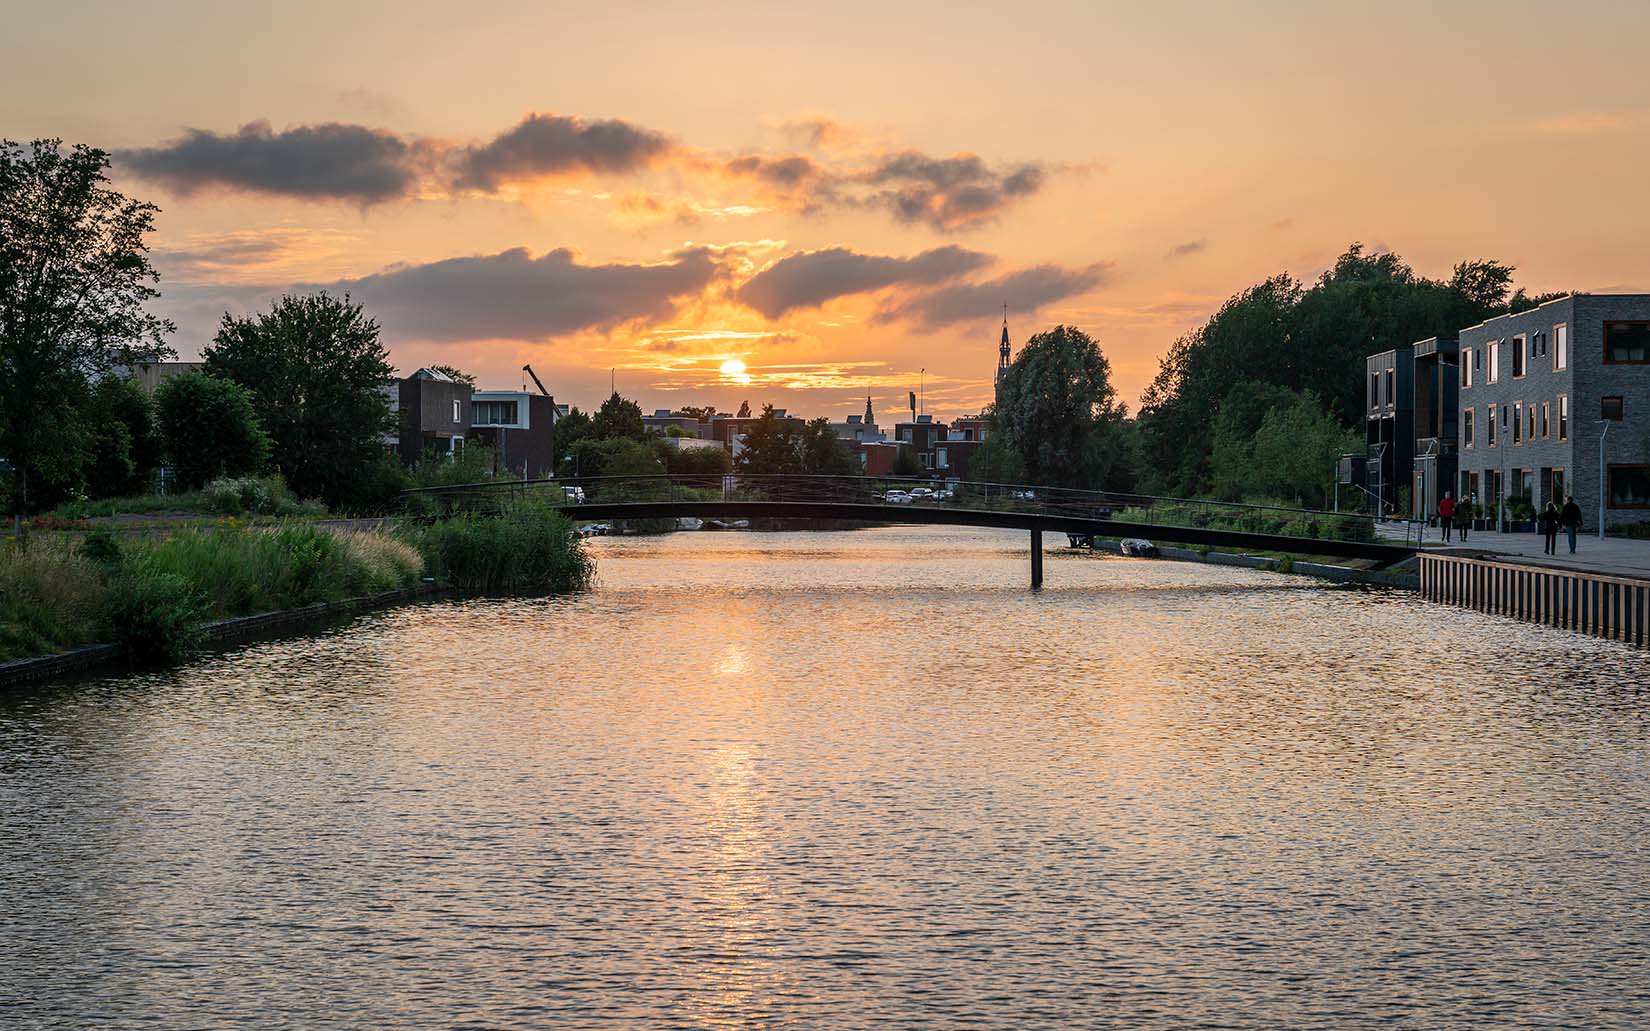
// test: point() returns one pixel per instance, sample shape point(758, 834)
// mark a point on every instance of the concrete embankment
point(1402, 575)
point(220, 634)
point(1601, 605)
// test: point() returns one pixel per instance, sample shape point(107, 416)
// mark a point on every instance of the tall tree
point(317, 369)
point(822, 453)
point(570, 429)
point(770, 446)
point(618, 419)
point(209, 427)
point(74, 277)
point(1058, 408)
point(126, 448)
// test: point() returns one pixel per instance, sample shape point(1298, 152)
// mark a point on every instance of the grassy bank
point(152, 596)
point(524, 546)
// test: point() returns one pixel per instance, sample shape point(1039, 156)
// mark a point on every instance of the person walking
point(1570, 519)
point(1549, 528)
point(1446, 514)
point(1464, 513)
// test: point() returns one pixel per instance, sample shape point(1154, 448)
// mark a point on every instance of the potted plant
point(1522, 515)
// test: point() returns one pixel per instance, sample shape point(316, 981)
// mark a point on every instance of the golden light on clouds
point(1043, 161)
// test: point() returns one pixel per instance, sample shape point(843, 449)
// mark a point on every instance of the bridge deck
point(948, 515)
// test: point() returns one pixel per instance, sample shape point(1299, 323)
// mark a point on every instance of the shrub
point(102, 547)
point(255, 495)
point(154, 615)
point(527, 547)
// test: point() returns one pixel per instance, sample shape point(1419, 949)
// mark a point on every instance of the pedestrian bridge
point(862, 499)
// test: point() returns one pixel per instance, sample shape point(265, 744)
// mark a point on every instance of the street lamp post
point(1603, 485)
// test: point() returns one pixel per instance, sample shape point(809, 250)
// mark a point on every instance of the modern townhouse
point(1555, 401)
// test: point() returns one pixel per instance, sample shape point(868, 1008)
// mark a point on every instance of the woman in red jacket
point(1446, 513)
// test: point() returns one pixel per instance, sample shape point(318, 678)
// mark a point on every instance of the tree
point(618, 419)
point(1296, 450)
point(996, 460)
point(697, 461)
point(770, 446)
point(209, 428)
point(125, 446)
point(316, 368)
point(74, 277)
point(616, 456)
point(905, 461)
point(453, 372)
point(703, 413)
point(822, 452)
point(570, 429)
point(744, 410)
point(1059, 411)
point(1306, 339)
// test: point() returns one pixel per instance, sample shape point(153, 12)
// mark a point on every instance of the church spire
point(1003, 349)
point(869, 418)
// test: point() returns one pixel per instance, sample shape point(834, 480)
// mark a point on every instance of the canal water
point(845, 780)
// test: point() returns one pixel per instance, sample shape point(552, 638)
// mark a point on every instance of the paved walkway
point(1614, 555)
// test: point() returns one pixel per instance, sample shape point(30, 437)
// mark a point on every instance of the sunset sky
point(837, 195)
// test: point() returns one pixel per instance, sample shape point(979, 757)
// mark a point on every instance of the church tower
point(1002, 348)
point(870, 420)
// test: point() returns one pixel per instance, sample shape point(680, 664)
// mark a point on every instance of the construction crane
point(529, 370)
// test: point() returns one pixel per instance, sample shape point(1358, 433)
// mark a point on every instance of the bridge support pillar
point(1036, 560)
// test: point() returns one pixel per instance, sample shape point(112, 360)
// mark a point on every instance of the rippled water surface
point(853, 780)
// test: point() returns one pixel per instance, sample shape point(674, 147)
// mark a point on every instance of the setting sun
point(733, 369)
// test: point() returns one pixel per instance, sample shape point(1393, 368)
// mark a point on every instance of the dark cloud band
point(812, 278)
point(330, 161)
point(512, 295)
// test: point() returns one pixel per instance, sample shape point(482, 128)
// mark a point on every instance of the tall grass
point(153, 595)
point(527, 546)
point(51, 599)
point(228, 495)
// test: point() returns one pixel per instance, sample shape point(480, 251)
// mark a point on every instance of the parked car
point(921, 494)
point(1025, 495)
point(896, 497)
point(574, 495)
point(943, 495)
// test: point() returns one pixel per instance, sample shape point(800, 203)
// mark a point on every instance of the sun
point(734, 369)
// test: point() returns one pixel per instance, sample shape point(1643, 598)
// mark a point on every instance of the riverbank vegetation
point(153, 594)
point(526, 546)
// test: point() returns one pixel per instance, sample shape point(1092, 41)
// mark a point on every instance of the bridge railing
point(894, 491)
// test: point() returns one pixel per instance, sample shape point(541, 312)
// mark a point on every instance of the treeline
point(615, 442)
point(296, 391)
point(1262, 399)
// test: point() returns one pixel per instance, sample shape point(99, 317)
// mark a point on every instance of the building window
point(1610, 409)
point(1493, 373)
point(1630, 486)
point(1563, 417)
point(1492, 435)
point(1558, 494)
point(942, 458)
point(458, 410)
point(1466, 427)
point(1391, 386)
point(1546, 419)
point(493, 413)
point(1627, 343)
point(905, 434)
point(1538, 345)
point(1374, 390)
point(1518, 356)
point(1466, 367)
point(1529, 427)
point(1561, 347)
point(1518, 422)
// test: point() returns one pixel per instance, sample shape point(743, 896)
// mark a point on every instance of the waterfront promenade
point(1613, 556)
